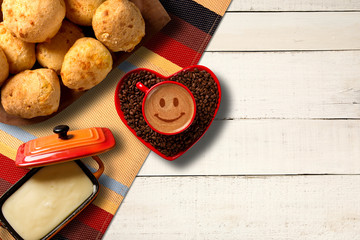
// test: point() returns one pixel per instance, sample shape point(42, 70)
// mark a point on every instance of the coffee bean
point(206, 95)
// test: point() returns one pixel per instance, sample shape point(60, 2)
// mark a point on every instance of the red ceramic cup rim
point(149, 90)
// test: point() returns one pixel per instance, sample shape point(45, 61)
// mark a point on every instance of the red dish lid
point(64, 146)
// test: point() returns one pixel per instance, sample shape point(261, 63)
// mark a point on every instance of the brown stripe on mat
point(186, 34)
point(193, 13)
point(4, 186)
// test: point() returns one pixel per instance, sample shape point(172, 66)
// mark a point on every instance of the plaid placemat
point(180, 44)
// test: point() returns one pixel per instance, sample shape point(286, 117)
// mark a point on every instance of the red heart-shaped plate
point(203, 84)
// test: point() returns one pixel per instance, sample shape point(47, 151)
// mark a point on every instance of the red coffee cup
point(168, 107)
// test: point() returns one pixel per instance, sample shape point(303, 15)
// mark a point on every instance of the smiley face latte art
point(169, 108)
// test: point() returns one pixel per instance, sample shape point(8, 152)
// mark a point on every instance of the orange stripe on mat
point(216, 6)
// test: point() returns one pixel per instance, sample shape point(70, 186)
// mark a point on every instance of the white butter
point(46, 199)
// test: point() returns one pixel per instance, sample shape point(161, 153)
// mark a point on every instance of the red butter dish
point(58, 187)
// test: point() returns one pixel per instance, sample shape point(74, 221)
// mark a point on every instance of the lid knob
point(61, 131)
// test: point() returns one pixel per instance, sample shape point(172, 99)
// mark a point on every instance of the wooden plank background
point(282, 158)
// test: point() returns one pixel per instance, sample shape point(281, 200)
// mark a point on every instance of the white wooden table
point(282, 158)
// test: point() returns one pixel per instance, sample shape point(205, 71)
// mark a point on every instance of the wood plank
point(278, 85)
point(282, 208)
point(287, 31)
point(287, 84)
point(294, 5)
point(257, 147)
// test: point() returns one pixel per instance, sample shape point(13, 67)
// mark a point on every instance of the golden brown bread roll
point(20, 54)
point(81, 11)
point(4, 70)
point(31, 93)
point(33, 20)
point(86, 64)
point(119, 25)
point(51, 54)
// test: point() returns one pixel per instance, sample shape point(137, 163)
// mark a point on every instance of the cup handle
point(100, 171)
point(142, 87)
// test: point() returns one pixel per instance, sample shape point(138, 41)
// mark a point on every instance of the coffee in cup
point(168, 107)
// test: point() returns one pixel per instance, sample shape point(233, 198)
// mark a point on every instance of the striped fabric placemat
point(180, 44)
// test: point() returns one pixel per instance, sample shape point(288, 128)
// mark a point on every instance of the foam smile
point(169, 120)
